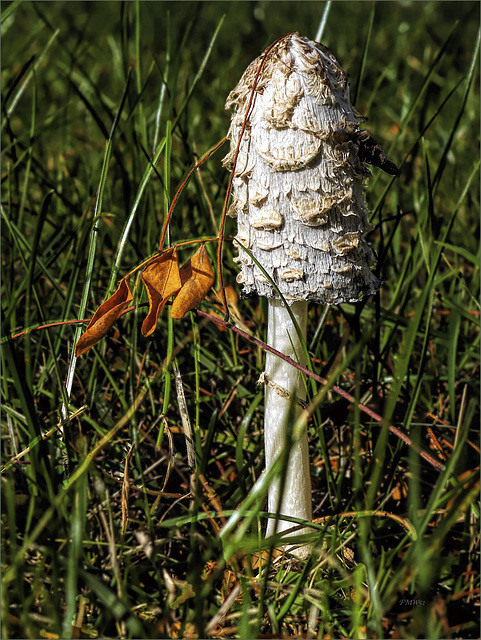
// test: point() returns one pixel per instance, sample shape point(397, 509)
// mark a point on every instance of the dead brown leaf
point(161, 278)
point(197, 278)
point(104, 318)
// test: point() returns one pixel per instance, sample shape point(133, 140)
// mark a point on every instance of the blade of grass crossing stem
point(364, 54)
point(288, 309)
point(93, 241)
point(133, 212)
point(11, 89)
point(77, 527)
point(89, 106)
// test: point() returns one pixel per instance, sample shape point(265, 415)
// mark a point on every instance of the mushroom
point(298, 158)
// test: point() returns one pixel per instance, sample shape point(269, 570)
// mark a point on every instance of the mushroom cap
point(298, 184)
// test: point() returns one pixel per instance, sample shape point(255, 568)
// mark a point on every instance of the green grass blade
point(93, 240)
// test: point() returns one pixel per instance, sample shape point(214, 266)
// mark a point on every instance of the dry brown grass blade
point(125, 490)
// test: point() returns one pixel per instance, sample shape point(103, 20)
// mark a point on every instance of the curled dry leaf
point(104, 318)
point(162, 280)
point(197, 278)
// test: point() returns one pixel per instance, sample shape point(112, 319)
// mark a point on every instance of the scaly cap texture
point(298, 187)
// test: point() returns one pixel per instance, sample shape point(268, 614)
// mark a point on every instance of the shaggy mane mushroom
point(298, 196)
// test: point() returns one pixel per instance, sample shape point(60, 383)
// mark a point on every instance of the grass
point(106, 529)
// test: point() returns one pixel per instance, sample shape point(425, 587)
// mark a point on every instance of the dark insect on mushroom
point(370, 151)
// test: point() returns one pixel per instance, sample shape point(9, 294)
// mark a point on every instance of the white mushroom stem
point(290, 495)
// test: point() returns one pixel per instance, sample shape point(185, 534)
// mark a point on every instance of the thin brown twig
point(181, 188)
point(344, 394)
